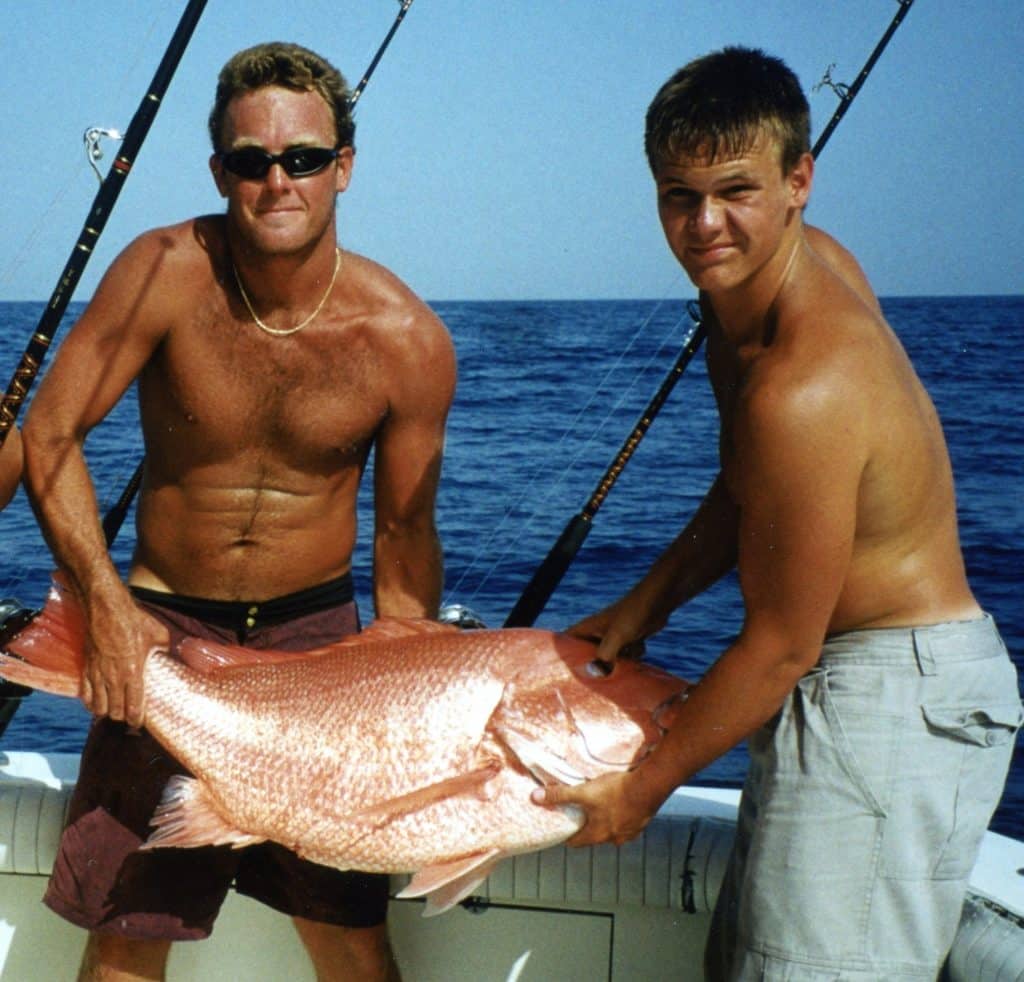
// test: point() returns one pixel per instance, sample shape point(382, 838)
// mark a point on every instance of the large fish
point(410, 748)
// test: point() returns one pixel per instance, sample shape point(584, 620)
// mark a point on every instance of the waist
point(238, 615)
point(928, 646)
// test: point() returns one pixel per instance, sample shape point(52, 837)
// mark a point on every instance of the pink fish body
point(410, 748)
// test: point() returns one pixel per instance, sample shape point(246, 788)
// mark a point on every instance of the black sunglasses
point(254, 163)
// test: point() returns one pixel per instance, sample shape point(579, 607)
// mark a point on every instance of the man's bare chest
point(241, 390)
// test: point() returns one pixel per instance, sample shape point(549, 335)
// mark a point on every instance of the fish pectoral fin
point(445, 884)
point(186, 817)
point(545, 766)
point(472, 782)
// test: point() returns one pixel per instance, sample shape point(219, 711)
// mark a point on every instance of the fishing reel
point(462, 617)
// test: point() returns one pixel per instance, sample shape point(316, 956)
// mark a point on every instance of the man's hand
point(617, 807)
point(619, 630)
point(116, 649)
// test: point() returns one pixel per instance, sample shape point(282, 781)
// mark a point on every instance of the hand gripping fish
point(410, 748)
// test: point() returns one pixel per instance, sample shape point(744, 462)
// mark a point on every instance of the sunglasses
point(254, 163)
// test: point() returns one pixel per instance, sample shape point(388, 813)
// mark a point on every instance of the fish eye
point(598, 669)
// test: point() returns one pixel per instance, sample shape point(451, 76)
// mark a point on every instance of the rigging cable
point(549, 573)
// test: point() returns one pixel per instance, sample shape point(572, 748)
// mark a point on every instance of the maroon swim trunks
point(102, 882)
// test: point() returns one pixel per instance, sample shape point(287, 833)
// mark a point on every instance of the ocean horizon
point(548, 390)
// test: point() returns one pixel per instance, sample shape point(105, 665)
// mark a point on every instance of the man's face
point(278, 214)
point(725, 220)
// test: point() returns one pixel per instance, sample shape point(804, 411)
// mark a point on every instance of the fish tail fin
point(48, 653)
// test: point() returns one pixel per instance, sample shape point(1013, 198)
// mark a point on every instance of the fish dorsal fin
point(204, 655)
point(209, 656)
point(395, 628)
point(186, 817)
point(445, 884)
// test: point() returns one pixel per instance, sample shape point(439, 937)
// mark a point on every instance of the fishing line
point(532, 480)
point(530, 484)
point(20, 257)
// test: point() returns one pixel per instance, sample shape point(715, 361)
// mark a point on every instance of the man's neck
point(284, 279)
point(744, 311)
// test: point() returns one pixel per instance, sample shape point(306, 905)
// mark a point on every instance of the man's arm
point(98, 360)
point(11, 463)
point(797, 496)
point(408, 567)
point(699, 556)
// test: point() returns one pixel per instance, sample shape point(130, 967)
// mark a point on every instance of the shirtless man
point(269, 362)
point(874, 691)
point(10, 466)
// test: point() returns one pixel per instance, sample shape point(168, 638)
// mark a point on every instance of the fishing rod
point(847, 93)
point(114, 518)
point(549, 573)
point(12, 616)
point(32, 360)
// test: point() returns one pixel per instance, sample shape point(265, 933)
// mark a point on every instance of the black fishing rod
point(549, 574)
point(847, 93)
point(114, 518)
point(32, 360)
point(13, 616)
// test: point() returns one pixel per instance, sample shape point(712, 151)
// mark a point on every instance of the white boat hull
point(632, 914)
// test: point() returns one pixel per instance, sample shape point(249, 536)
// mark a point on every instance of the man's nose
point(706, 216)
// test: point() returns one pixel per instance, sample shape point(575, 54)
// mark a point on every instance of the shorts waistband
point(242, 615)
point(930, 645)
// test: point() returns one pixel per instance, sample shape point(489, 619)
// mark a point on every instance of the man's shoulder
point(395, 314)
point(195, 240)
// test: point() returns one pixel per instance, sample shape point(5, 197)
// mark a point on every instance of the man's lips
point(710, 253)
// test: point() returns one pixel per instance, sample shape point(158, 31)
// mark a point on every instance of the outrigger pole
point(32, 360)
point(549, 574)
point(114, 518)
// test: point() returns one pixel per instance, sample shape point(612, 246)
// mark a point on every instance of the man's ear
point(344, 164)
point(217, 169)
point(800, 179)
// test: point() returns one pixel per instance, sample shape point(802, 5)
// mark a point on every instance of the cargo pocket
point(985, 736)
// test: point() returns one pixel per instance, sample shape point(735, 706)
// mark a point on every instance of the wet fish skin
point(410, 748)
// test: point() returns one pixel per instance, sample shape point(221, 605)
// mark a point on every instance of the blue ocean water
point(547, 393)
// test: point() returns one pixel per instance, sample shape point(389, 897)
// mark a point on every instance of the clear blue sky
point(499, 143)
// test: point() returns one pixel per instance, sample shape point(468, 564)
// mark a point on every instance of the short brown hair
point(292, 67)
point(721, 104)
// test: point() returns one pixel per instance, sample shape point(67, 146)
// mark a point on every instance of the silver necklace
point(280, 332)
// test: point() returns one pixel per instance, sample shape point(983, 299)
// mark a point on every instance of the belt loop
point(923, 652)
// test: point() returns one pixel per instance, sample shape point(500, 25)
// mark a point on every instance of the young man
point(879, 701)
point(269, 362)
point(10, 466)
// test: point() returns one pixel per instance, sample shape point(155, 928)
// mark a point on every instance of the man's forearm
point(739, 693)
point(408, 573)
point(64, 501)
point(699, 556)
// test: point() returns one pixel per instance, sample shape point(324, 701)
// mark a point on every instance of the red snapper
point(410, 748)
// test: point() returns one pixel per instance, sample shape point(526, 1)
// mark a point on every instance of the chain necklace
point(280, 332)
